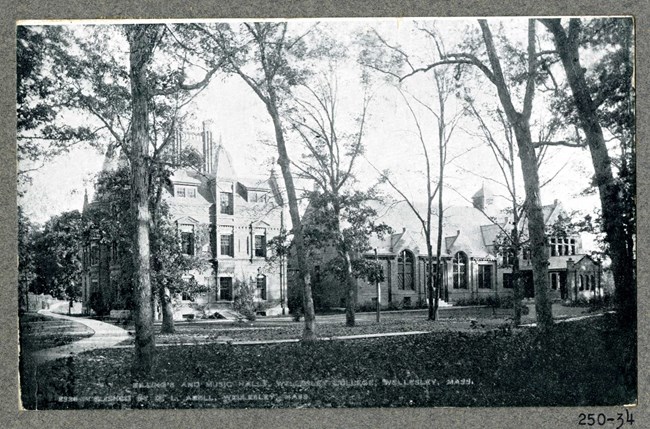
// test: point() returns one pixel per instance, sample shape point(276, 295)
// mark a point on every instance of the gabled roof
point(187, 220)
point(586, 257)
point(223, 166)
point(182, 177)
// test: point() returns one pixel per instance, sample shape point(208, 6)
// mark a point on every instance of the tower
point(483, 199)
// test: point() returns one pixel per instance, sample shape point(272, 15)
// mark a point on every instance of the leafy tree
point(346, 220)
point(40, 101)
point(26, 259)
point(602, 98)
point(132, 101)
point(57, 257)
point(109, 219)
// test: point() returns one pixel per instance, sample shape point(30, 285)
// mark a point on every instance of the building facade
point(472, 267)
point(222, 218)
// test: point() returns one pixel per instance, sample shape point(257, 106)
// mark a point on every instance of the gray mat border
point(13, 10)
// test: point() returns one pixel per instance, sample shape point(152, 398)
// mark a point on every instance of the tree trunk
point(350, 284)
point(304, 278)
point(351, 293)
point(521, 125)
point(616, 235)
point(516, 272)
point(167, 311)
point(433, 301)
point(141, 45)
point(536, 226)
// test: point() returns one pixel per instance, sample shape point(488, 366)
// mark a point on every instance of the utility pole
point(282, 279)
point(378, 286)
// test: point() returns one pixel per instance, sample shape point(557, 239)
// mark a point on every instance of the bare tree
point(331, 156)
point(261, 53)
point(520, 121)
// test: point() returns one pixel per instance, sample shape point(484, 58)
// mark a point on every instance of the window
point(582, 282)
point(94, 255)
point(562, 246)
point(225, 199)
point(434, 271)
point(526, 254)
point(225, 289)
point(553, 245)
point(261, 286)
point(507, 280)
point(554, 280)
point(113, 254)
point(187, 239)
point(460, 271)
point(260, 246)
point(185, 191)
point(593, 283)
point(405, 277)
point(227, 247)
point(485, 276)
point(587, 282)
point(507, 258)
point(256, 197)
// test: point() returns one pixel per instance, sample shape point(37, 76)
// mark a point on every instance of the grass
point(41, 332)
point(580, 363)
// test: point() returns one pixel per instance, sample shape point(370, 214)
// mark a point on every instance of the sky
point(391, 139)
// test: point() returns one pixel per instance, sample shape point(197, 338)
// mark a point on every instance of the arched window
point(587, 282)
point(593, 283)
point(460, 271)
point(405, 270)
point(582, 282)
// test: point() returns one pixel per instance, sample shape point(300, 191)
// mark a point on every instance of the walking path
point(109, 336)
point(105, 336)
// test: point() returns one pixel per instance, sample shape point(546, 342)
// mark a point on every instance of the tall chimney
point(208, 146)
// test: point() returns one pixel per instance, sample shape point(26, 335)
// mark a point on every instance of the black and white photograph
point(327, 213)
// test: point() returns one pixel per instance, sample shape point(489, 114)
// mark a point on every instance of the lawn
point(588, 362)
point(451, 319)
point(200, 333)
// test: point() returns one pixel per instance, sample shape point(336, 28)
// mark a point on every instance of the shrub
point(366, 307)
point(594, 303)
point(493, 302)
point(244, 302)
point(98, 304)
point(294, 301)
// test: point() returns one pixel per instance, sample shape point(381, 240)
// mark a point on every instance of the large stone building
point(472, 267)
point(222, 217)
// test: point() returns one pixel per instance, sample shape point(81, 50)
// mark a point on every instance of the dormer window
point(185, 191)
point(256, 197)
